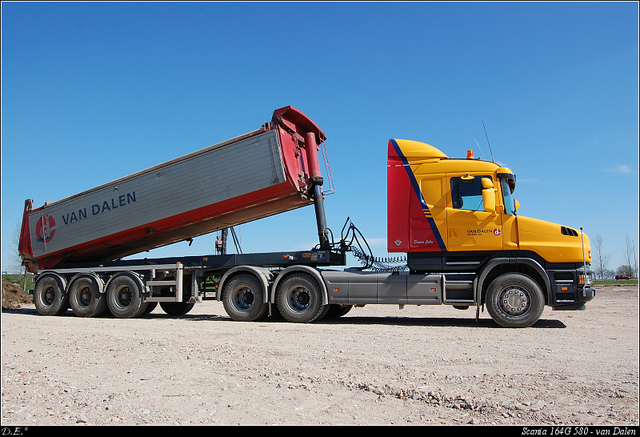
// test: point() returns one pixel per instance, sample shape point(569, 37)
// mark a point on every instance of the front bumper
point(587, 294)
point(584, 295)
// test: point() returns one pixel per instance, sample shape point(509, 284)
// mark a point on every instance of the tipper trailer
point(454, 218)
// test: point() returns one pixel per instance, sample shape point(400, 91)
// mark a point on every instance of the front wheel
point(514, 300)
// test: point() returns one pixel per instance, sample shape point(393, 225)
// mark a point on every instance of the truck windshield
point(507, 195)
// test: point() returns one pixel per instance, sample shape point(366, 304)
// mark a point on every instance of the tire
point(176, 308)
point(514, 300)
point(124, 297)
point(243, 298)
point(49, 297)
point(299, 298)
point(85, 298)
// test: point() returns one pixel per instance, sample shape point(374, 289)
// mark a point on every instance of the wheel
point(514, 300)
point(176, 308)
point(49, 297)
point(124, 297)
point(85, 298)
point(299, 298)
point(336, 311)
point(243, 298)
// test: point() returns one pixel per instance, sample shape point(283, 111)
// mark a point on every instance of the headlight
point(585, 279)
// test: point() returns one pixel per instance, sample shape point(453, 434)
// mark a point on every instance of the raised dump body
point(249, 177)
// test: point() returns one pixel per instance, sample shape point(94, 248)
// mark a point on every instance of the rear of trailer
point(264, 172)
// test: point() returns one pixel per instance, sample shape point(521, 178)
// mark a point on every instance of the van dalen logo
point(45, 229)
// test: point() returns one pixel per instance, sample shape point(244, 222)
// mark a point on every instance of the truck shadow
point(432, 321)
point(385, 321)
point(345, 320)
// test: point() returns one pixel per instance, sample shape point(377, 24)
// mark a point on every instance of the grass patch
point(616, 282)
point(19, 279)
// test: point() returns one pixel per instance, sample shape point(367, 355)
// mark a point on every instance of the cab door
point(470, 227)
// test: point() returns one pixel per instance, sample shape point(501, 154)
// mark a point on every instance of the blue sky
point(95, 91)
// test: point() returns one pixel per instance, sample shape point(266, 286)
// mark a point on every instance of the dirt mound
point(13, 295)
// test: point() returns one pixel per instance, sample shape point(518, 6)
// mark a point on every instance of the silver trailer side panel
point(208, 176)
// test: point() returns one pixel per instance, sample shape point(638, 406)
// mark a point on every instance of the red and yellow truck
point(455, 219)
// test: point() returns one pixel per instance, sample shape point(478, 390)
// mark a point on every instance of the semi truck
point(455, 219)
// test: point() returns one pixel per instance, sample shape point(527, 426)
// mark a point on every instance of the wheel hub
point(85, 296)
point(300, 299)
point(124, 297)
point(244, 298)
point(49, 296)
point(514, 301)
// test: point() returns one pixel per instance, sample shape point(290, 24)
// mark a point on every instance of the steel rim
point(84, 297)
point(123, 296)
point(49, 296)
point(299, 299)
point(243, 298)
point(515, 301)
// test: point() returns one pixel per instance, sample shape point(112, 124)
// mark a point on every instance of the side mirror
point(467, 179)
point(488, 195)
point(516, 204)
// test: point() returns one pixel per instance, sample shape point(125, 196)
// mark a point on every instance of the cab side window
point(466, 192)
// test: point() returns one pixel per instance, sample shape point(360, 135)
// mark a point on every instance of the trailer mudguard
point(132, 275)
point(301, 268)
point(263, 275)
point(99, 282)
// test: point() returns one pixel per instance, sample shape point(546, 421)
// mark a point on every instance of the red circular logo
point(497, 231)
point(45, 228)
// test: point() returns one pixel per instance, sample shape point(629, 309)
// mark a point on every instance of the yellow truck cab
point(459, 217)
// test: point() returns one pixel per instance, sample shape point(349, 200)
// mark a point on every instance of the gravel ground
point(376, 365)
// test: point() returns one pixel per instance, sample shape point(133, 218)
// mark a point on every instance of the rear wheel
point(243, 298)
point(299, 298)
point(49, 297)
point(85, 298)
point(514, 300)
point(124, 297)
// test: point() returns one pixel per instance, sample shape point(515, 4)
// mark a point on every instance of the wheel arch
point(133, 275)
point(314, 273)
point(527, 266)
point(64, 283)
point(99, 281)
point(264, 276)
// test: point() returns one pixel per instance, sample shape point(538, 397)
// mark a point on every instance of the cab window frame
point(467, 196)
